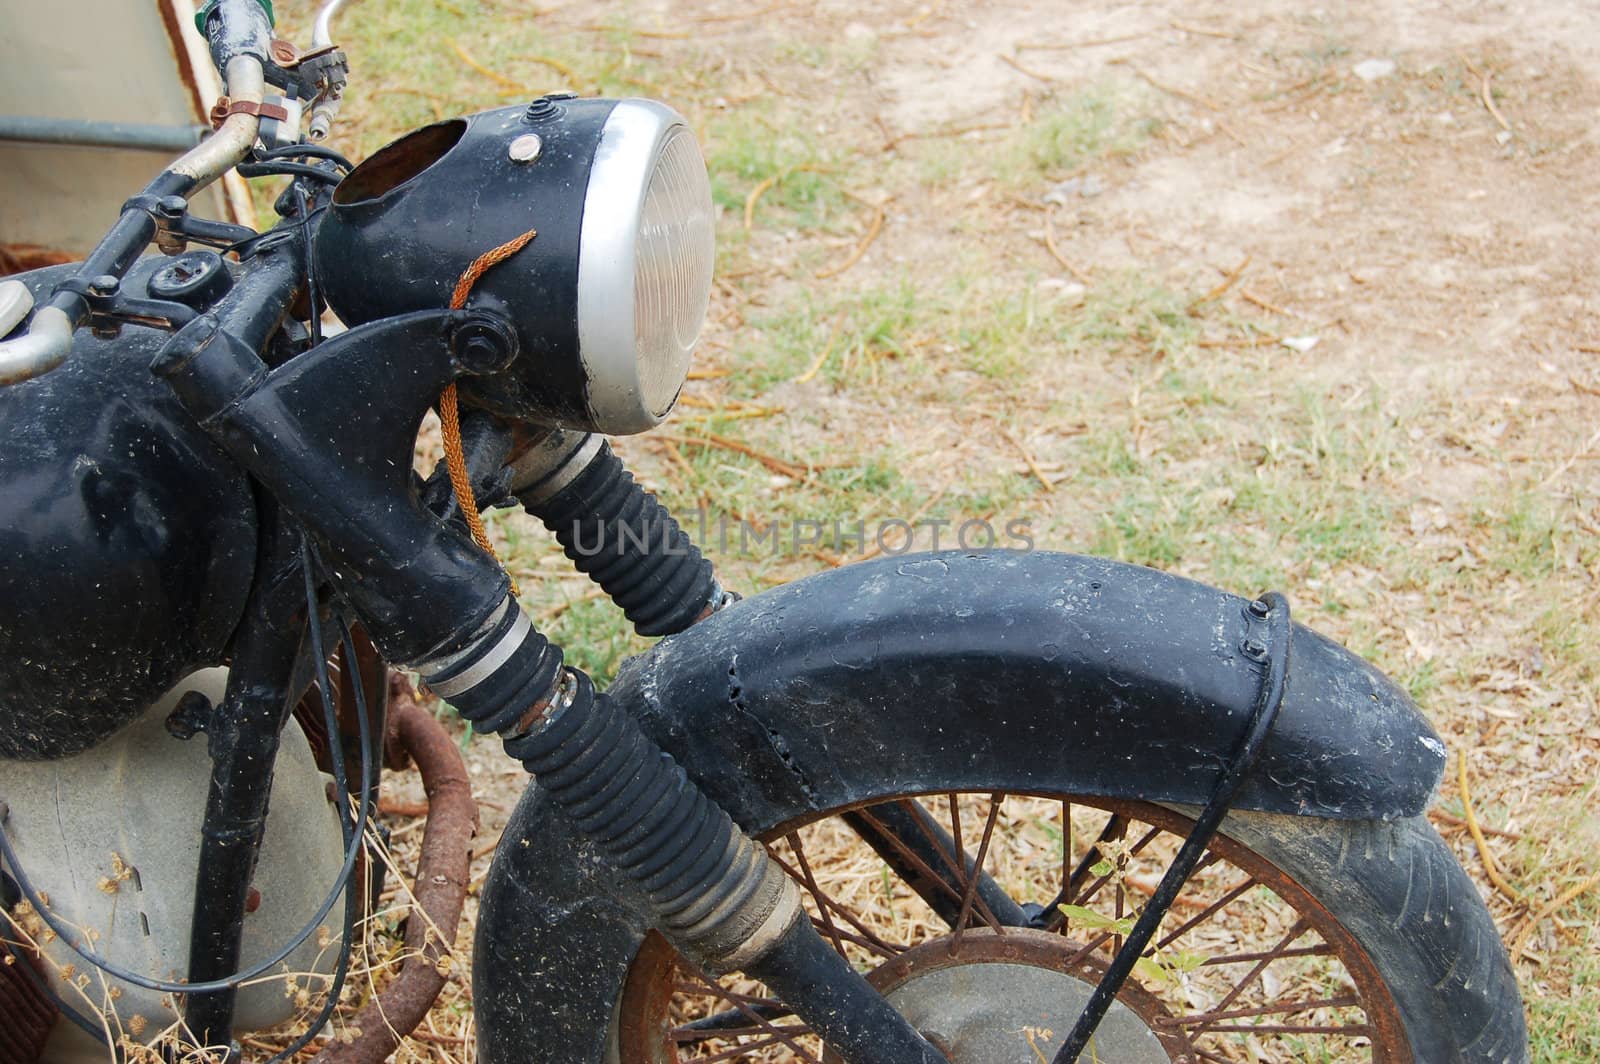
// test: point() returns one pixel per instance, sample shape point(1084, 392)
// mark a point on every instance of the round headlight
point(644, 264)
point(607, 300)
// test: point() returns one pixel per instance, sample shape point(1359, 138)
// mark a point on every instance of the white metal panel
point(107, 60)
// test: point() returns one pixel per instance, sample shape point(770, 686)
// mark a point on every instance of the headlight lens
point(644, 265)
point(672, 270)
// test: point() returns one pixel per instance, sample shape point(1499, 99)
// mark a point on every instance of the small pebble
point(1373, 69)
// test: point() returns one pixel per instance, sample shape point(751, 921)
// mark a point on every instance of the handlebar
point(239, 33)
point(48, 340)
point(322, 29)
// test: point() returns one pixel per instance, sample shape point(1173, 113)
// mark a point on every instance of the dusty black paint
point(388, 248)
point(949, 671)
point(344, 468)
point(127, 547)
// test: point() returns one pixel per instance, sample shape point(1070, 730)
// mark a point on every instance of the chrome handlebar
point(48, 339)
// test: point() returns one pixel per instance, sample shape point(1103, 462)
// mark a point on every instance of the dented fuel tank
point(127, 542)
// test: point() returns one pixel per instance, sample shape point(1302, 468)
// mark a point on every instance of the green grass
point(1106, 120)
point(1248, 467)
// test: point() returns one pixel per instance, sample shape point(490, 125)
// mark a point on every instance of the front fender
point(931, 672)
point(1119, 680)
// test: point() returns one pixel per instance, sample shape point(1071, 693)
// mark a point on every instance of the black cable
point(324, 686)
point(302, 204)
point(353, 842)
point(313, 151)
point(278, 168)
point(244, 248)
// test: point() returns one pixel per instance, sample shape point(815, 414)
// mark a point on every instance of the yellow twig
point(493, 75)
point(873, 229)
point(894, 139)
point(1490, 866)
point(554, 64)
point(1019, 68)
point(1170, 90)
point(562, 607)
point(1242, 341)
point(817, 363)
point(1265, 304)
point(1027, 457)
point(777, 465)
point(1068, 45)
point(1548, 911)
point(1055, 252)
point(766, 185)
point(1202, 31)
point(1485, 94)
point(1228, 281)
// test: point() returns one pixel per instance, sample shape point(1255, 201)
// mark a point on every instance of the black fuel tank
point(127, 542)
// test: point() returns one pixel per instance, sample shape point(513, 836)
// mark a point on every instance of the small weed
point(1095, 123)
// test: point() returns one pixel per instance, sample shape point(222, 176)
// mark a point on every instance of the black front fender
point(932, 672)
point(1131, 681)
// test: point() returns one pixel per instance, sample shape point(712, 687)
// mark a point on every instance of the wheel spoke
point(1066, 856)
point(739, 1001)
point(826, 901)
point(1359, 1030)
point(1343, 1001)
point(1324, 950)
point(1300, 927)
point(995, 801)
point(690, 1033)
point(1115, 828)
point(1228, 935)
point(884, 828)
point(797, 848)
point(1210, 911)
point(964, 876)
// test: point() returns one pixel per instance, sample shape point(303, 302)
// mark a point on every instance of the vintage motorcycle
point(212, 527)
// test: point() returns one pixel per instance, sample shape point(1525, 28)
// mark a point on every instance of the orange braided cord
point(483, 263)
point(450, 415)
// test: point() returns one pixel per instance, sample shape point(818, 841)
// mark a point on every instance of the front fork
point(716, 894)
point(431, 600)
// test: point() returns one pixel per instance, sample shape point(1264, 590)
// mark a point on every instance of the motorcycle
point(214, 529)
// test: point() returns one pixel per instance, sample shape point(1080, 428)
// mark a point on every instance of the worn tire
point(1401, 892)
point(1394, 886)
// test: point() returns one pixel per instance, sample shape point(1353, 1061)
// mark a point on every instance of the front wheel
point(987, 918)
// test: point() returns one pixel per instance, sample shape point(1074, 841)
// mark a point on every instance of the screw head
point(483, 344)
point(1259, 608)
point(526, 148)
point(105, 285)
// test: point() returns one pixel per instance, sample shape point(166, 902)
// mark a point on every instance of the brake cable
point(352, 851)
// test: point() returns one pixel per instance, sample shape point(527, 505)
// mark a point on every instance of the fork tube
point(242, 738)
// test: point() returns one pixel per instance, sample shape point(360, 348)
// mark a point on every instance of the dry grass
point(978, 280)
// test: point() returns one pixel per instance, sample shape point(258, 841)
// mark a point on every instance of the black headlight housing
point(609, 297)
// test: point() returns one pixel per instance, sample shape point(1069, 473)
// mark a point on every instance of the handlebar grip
point(236, 27)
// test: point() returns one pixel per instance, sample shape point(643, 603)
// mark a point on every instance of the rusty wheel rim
point(1296, 981)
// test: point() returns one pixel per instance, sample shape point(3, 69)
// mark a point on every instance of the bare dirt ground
point(1186, 283)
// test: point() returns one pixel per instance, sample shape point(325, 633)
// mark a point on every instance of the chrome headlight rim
point(632, 142)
